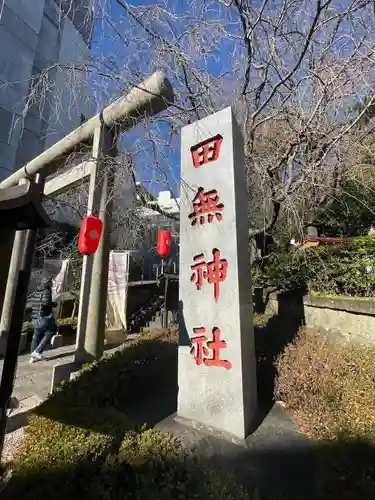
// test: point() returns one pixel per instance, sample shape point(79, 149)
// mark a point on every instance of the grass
point(261, 320)
point(81, 444)
point(85, 441)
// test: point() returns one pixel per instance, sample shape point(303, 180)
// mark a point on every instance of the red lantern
point(89, 237)
point(164, 243)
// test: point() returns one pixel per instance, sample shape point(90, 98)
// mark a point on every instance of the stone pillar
point(216, 360)
point(93, 295)
point(10, 291)
point(6, 245)
point(22, 254)
point(96, 171)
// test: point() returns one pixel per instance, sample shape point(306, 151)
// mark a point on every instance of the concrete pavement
point(33, 381)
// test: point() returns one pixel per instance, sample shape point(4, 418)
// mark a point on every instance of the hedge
point(330, 389)
point(72, 322)
point(340, 269)
point(330, 386)
point(80, 444)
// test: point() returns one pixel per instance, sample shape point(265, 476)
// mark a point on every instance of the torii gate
point(150, 97)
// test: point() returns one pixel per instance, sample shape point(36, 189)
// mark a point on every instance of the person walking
point(43, 321)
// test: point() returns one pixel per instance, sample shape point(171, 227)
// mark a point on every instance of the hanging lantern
point(89, 237)
point(164, 243)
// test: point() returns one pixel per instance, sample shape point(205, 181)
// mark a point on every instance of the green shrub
point(341, 269)
point(27, 325)
point(60, 322)
point(80, 444)
point(68, 322)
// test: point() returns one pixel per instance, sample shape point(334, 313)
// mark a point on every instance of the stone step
point(18, 416)
point(152, 325)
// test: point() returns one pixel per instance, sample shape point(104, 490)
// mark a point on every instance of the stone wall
point(346, 319)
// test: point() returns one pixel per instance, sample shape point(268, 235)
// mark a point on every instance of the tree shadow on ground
point(139, 382)
point(157, 399)
point(107, 347)
point(271, 340)
point(143, 383)
point(344, 471)
point(143, 386)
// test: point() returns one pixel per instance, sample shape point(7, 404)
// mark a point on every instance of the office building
point(39, 37)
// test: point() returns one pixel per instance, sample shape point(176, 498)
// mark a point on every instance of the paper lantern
point(89, 237)
point(164, 243)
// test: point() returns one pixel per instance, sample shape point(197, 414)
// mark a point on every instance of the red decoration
point(214, 272)
point(206, 151)
point(206, 203)
point(204, 347)
point(89, 237)
point(164, 243)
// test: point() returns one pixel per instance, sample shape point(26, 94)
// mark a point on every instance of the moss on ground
point(79, 445)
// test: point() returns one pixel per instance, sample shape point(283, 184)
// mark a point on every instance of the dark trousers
point(44, 329)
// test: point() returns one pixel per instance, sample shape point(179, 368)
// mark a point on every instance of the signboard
point(118, 275)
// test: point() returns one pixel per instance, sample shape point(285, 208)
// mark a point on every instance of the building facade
point(39, 37)
point(152, 265)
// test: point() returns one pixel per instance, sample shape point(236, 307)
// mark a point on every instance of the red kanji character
point(199, 271)
point(201, 351)
point(214, 272)
point(206, 203)
point(215, 345)
point(206, 151)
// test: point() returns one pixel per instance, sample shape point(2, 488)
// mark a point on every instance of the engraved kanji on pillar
point(208, 351)
point(206, 207)
point(214, 271)
point(216, 368)
point(206, 151)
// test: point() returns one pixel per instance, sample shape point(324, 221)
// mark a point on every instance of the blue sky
point(107, 43)
point(131, 56)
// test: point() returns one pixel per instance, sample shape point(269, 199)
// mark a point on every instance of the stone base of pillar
point(198, 428)
point(63, 373)
point(62, 340)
